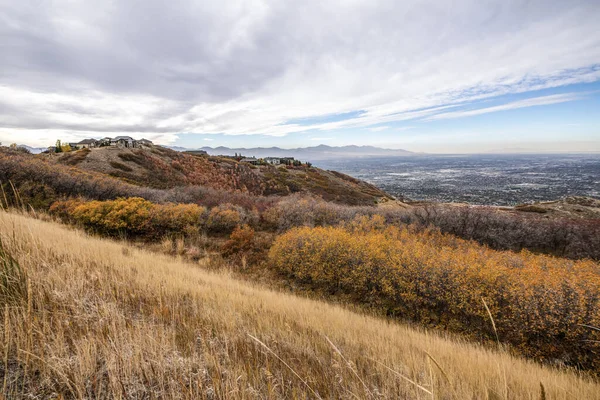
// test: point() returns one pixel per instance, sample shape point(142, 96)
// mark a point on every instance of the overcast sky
point(438, 76)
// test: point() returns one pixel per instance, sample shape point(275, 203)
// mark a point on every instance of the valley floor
point(93, 318)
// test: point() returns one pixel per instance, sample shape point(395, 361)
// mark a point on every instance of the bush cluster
point(302, 210)
point(571, 238)
point(538, 302)
point(39, 183)
point(132, 216)
point(224, 218)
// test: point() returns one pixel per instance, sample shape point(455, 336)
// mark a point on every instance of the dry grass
point(98, 319)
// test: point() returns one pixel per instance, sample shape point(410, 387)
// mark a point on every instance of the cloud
point(248, 67)
point(379, 128)
point(321, 138)
point(532, 102)
point(209, 139)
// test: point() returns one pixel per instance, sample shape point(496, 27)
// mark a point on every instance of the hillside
point(93, 318)
point(575, 207)
point(163, 168)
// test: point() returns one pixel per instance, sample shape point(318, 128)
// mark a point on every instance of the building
point(287, 160)
point(250, 160)
point(85, 144)
point(119, 141)
point(123, 141)
point(273, 160)
point(143, 143)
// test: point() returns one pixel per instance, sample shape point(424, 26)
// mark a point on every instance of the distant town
point(265, 160)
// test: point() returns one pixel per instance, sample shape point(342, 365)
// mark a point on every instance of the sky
point(430, 76)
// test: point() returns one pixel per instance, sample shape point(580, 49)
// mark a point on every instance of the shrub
point(133, 216)
point(121, 166)
point(240, 243)
point(223, 219)
point(73, 157)
point(501, 230)
point(302, 210)
point(538, 301)
point(531, 208)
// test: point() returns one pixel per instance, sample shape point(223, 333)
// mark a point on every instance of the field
point(92, 318)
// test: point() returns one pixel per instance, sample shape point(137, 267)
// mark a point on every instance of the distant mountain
point(321, 152)
point(177, 148)
point(33, 150)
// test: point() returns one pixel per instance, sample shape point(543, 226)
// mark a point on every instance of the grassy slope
point(576, 207)
point(164, 168)
point(104, 320)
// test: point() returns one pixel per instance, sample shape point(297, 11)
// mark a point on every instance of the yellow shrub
point(538, 301)
point(223, 218)
point(133, 215)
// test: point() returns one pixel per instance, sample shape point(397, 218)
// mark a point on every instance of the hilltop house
point(250, 160)
point(119, 141)
point(273, 160)
point(279, 160)
point(85, 144)
point(123, 141)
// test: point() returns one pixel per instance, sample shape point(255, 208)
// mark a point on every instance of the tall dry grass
point(94, 318)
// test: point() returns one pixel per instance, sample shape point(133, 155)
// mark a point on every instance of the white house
point(273, 160)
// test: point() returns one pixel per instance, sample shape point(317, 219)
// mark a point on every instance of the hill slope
point(575, 207)
point(98, 319)
point(164, 168)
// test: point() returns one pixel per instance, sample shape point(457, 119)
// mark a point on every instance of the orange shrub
point(134, 216)
point(224, 218)
point(240, 243)
point(539, 302)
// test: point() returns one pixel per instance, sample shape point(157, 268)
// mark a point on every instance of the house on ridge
point(250, 160)
point(273, 160)
point(123, 141)
point(85, 144)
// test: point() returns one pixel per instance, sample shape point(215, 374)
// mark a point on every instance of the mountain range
point(321, 152)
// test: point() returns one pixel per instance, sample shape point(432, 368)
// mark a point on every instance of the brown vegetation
point(40, 182)
point(133, 217)
point(73, 157)
point(540, 303)
point(92, 318)
point(162, 168)
point(564, 237)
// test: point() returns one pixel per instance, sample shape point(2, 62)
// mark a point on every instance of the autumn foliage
point(132, 216)
point(539, 302)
